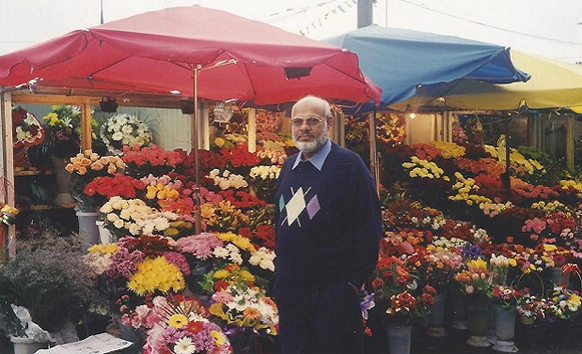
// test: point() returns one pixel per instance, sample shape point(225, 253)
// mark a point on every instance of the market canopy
point(401, 61)
point(156, 52)
point(553, 84)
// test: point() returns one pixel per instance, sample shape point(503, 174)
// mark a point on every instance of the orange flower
point(252, 313)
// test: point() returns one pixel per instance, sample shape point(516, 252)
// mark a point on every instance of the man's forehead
point(309, 107)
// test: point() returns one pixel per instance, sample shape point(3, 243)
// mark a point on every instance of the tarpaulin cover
point(156, 51)
point(400, 61)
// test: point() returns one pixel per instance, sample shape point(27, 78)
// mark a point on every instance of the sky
point(552, 29)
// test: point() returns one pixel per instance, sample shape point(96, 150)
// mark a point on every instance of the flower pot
point(478, 312)
point(88, 230)
point(63, 194)
point(504, 328)
point(24, 345)
point(105, 236)
point(436, 320)
point(399, 339)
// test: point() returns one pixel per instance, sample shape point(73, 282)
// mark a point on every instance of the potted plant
point(51, 281)
point(400, 300)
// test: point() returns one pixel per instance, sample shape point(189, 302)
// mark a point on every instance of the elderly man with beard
point(328, 227)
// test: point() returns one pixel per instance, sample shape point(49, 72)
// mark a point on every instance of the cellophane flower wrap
point(27, 129)
point(238, 302)
point(124, 130)
point(178, 325)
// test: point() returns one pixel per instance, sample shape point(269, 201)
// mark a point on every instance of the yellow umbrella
point(553, 84)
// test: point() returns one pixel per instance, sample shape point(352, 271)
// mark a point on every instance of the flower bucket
point(478, 312)
point(88, 230)
point(399, 339)
point(555, 275)
point(63, 194)
point(436, 320)
point(504, 328)
point(25, 345)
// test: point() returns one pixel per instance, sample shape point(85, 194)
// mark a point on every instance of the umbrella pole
point(197, 215)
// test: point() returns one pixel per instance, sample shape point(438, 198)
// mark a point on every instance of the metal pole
point(197, 215)
point(373, 151)
point(365, 13)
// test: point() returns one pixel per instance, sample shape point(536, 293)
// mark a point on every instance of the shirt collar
point(318, 158)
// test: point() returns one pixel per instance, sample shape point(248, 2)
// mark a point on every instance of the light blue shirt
point(318, 158)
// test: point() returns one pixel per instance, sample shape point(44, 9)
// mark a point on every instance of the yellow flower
point(156, 274)
point(221, 274)
point(219, 142)
point(550, 248)
point(246, 275)
point(218, 338)
point(178, 321)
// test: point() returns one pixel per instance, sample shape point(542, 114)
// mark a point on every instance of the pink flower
point(222, 297)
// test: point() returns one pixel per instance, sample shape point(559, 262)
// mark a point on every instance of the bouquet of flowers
point(27, 129)
point(264, 179)
point(179, 325)
point(124, 129)
point(477, 279)
point(142, 161)
point(87, 166)
point(437, 266)
point(63, 130)
point(226, 180)
point(238, 302)
point(397, 293)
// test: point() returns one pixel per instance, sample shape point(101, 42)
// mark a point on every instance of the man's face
point(309, 127)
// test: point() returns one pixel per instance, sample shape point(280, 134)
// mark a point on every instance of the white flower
point(118, 224)
point(220, 252)
point(117, 136)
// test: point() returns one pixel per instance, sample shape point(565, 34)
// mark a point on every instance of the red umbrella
point(156, 52)
point(197, 51)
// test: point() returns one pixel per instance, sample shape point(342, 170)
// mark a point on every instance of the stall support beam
point(7, 166)
point(86, 129)
point(252, 129)
point(570, 141)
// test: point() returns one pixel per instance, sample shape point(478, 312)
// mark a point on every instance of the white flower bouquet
point(124, 129)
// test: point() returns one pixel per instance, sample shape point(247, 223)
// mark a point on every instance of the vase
point(25, 345)
point(478, 312)
point(399, 339)
point(436, 321)
point(504, 328)
point(88, 230)
point(63, 194)
point(105, 236)
point(459, 308)
point(528, 321)
point(555, 275)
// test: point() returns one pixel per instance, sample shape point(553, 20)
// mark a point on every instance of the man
point(328, 226)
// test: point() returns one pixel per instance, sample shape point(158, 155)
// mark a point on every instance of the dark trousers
point(319, 318)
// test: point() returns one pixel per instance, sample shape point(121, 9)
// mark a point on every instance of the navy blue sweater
point(328, 222)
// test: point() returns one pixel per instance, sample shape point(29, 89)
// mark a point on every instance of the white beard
point(311, 146)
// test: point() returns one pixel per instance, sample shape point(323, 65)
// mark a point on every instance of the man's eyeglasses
point(311, 121)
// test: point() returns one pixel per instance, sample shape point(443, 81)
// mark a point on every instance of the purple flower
point(200, 246)
point(366, 304)
point(179, 261)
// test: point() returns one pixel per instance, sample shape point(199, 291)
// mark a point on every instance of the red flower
point(429, 289)
point(220, 285)
point(377, 283)
point(195, 327)
point(427, 299)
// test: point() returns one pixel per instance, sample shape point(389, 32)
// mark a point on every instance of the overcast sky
point(543, 27)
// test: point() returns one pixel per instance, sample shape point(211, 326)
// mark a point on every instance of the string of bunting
point(341, 8)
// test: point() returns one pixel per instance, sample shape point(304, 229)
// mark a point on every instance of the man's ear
point(329, 120)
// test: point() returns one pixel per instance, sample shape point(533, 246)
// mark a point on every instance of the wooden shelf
point(46, 207)
point(33, 172)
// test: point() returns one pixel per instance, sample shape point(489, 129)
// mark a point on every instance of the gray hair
point(314, 101)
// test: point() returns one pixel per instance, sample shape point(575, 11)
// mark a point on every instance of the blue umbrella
point(402, 61)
